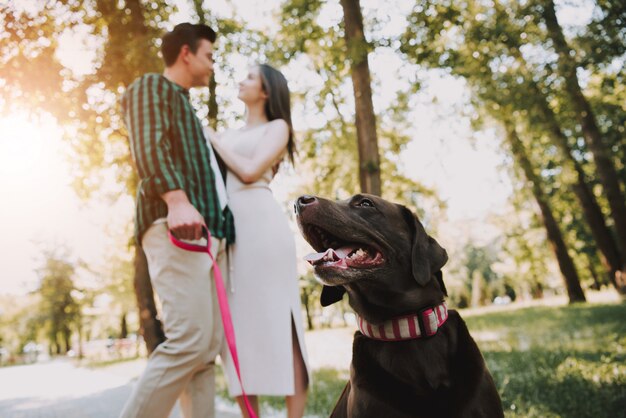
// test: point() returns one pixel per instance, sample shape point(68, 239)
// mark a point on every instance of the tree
point(482, 43)
point(30, 73)
point(129, 51)
point(328, 152)
point(555, 237)
point(480, 273)
point(310, 291)
point(129, 32)
point(586, 116)
point(611, 257)
point(59, 309)
point(369, 163)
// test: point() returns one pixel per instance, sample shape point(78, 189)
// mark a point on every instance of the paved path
point(59, 389)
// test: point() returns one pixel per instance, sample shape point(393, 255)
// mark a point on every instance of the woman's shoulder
point(228, 132)
point(278, 128)
point(278, 124)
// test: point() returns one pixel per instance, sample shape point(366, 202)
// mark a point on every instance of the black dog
point(412, 358)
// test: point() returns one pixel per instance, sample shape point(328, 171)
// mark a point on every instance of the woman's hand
point(250, 169)
point(211, 135)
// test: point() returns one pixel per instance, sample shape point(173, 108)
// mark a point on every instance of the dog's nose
point(302, 201)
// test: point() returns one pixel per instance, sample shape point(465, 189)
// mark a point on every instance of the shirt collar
point(177, 87)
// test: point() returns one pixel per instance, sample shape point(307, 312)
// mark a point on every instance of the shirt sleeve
point(146, 112)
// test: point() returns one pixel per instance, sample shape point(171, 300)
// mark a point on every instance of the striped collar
point(425, 323)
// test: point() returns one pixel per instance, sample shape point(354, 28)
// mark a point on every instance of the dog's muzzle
point(302, 202)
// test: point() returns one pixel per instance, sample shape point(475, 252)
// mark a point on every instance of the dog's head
point(376, 250)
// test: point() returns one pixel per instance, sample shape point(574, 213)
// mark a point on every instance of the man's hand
point(183, 219)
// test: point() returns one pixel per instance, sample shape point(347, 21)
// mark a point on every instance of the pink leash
point(227, 321)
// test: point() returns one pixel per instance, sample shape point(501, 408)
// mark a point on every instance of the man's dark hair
point(184, 34)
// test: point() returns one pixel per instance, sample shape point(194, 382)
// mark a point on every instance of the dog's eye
point(365, 203)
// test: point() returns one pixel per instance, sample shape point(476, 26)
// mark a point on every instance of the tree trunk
point(369, 160)
point(150, 327)
point(306, 300)
point(477, 289)
point(123, 326)
point(67, 337)
point(594, 275)
point(566, 265)
point(213, 107)
point(609, 251)
point(80, 338)
point(610, 255)
point(601, 152)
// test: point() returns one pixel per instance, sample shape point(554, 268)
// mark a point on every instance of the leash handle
point(227, 322)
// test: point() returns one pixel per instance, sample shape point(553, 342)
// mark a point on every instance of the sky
point(40, 209)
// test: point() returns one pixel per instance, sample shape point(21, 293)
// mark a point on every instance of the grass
point(553, 362)
point(548, 362)
point(326, 386)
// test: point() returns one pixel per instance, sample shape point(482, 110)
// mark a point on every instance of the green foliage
point(310, 292)
point(503, 50)
point(482, 278)
point(30, 73)
point(327, 385)
point(59, 310)
point(300, 31)
point(328, 154)
point(19, 323)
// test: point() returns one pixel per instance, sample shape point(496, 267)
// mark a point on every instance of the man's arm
point(146, 115)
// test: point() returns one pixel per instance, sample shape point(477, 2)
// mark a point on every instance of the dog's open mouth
point(337, 253)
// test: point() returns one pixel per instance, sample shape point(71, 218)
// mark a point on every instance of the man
point(181, 189)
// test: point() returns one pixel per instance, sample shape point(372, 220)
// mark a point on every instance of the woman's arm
point(267, 152)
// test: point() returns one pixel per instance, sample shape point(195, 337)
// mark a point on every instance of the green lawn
point(547, 362)
point(557, 361)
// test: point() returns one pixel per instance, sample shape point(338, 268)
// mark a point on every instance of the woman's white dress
point(263, 291)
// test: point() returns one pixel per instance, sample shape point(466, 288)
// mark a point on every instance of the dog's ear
point(439, 277)
point(331, 294)
point(427, 256)
point(438, 255)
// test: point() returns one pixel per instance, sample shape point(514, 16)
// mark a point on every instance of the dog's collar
point(425, 323)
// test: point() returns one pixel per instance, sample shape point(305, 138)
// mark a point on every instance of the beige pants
point(183, 366)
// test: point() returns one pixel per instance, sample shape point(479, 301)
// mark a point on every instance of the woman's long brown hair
point(278, 104)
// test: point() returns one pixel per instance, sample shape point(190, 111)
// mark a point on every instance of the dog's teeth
point(358, 253)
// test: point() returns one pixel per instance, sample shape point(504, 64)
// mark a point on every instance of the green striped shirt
point(170, 152)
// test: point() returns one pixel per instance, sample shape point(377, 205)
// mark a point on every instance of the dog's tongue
point(329, 255)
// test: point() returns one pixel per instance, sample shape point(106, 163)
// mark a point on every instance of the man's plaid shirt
point(170, 152)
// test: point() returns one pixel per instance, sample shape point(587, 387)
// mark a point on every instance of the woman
point(264, 297)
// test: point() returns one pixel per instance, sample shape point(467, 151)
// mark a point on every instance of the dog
point(411, 356)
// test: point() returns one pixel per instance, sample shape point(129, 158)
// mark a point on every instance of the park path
point(60, 389)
